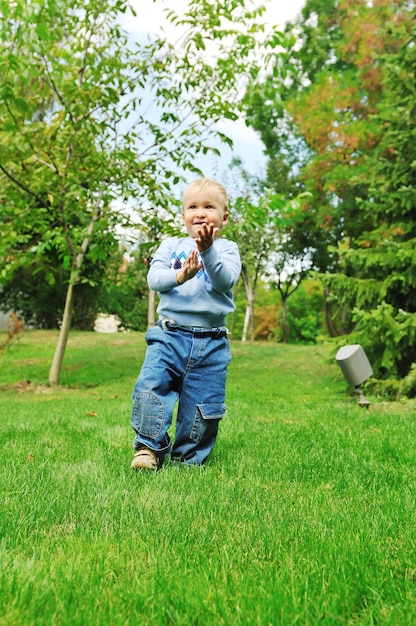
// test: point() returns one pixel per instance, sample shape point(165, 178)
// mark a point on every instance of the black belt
point(197, 331)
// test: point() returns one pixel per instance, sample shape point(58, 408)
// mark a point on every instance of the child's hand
point(206, 236)
point(190, 268)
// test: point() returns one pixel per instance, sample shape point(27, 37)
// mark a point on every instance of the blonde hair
point(203, 183)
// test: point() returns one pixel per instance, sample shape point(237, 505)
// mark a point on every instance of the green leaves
point(42, 31)
point(339, 120)
point(86, 119)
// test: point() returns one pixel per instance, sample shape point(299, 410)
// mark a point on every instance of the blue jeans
point(189, 365)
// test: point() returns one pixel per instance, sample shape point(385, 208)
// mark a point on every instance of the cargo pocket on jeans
point(206, 420)
point(147, 418)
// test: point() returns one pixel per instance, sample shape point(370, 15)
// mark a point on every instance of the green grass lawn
point(305, 513)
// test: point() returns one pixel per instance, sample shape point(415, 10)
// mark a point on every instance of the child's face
point(203, 206)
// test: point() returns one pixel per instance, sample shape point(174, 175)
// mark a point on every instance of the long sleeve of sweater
point(222, 267)
point(221, 263)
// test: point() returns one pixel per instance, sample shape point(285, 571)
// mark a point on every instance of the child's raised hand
point(206, 236)
point(190, 268)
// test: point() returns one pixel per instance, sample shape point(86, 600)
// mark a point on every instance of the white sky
point(247, 145)
point(150, 14)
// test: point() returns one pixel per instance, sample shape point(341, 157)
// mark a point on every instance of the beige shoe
point(145, 459)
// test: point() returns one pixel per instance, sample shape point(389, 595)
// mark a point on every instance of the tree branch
point(23, 187)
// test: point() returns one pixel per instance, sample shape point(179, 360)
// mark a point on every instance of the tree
point(353, 107)
point(292, 253)
point(310, 49)
point(87, 120)
point(380, 268)
point(250, 227)
point(267, 235)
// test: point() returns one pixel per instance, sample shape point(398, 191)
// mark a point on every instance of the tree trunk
point(284, 321)
point(249, 315)
point(329, 320)
point(246, 323)
point(55, 371)
point(252, 319)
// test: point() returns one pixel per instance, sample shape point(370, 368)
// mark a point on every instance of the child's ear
point(225, 218)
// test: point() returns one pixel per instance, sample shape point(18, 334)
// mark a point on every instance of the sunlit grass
point(305, 514)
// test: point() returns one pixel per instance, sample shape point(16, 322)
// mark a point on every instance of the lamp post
point(356, 369)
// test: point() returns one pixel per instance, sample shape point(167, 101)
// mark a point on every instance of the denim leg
point(155, 394)
point(202, 400)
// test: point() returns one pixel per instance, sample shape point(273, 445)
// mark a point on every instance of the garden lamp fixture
point(356, 369)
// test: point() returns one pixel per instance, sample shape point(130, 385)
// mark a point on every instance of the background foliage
point(339, 113)
point(334, 104)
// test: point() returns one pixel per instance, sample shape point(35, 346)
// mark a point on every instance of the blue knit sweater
point(204, 300)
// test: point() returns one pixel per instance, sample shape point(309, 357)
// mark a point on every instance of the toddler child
point(187, 350)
